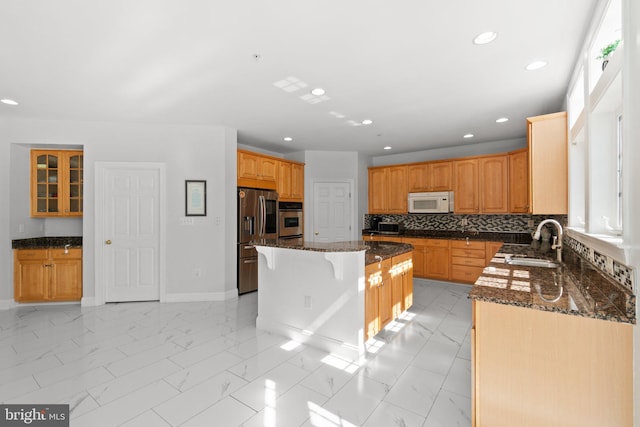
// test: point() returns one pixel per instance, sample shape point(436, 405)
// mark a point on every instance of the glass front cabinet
point(56, 183)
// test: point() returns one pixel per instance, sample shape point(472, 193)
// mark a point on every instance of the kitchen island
point(314, 293)
point(550, 345)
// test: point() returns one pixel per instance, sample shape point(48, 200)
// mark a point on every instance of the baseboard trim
point(201, 296)
point(7, 304)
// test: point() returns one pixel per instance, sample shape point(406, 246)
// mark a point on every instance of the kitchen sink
point(531, 262)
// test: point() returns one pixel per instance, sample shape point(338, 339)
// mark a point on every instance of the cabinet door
point(46, 179)
point(519, 181)
point(65, 282)
point(396, 291)
point(377, 190)
point(397, 190)
point(465, 186)
point(440, 176)
point(248, 166)
point(403, 266)
point(548, 168)
point(385, 300)
point(268, 169)
point(73, 162)
point(30, 275)
point(437, 259)
point(284, 181)
point(417, 176)
point(297, 182)
point(493, 183)
point(373, 276)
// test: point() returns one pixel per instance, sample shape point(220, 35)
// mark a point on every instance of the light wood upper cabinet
point(290, 181)
point(388, 189)
point(257, 171)
point(465, 186)
point(548, 165)
point(429, 176)
point(494, 184)
point(519, 181)
point(57, 183)
point(261, 171)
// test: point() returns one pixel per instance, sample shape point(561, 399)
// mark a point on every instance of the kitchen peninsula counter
point(314, 293)
point(571, 288)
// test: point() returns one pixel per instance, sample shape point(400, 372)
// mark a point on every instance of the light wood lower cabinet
point(47, 275)
point(468, 259)
point(535, 368)
point(388, 291)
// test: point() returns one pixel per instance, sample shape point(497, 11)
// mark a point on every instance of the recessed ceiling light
point(318, 91)
point(367, 122)
point(536, 65)
point(288, 138)
point(8, 101)
point(469, 135)
point(388, 147)
point(485, 38)
point(502, 120)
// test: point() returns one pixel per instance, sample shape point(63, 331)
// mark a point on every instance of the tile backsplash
point(454, 222)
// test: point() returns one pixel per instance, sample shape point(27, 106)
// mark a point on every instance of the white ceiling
point(408, 65)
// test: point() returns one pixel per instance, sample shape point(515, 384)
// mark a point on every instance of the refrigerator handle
point(262, 209)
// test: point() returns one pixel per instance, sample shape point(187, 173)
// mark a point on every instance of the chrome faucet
point(557, 240)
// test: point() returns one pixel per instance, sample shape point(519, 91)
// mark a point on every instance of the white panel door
point(332, 212)
point(131, 228)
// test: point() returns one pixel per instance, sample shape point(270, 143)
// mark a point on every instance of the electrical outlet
point(197, 272)
point(218, 220)
point(20, 228)
point(464, 221)
point(530, 223)
point(307, 301)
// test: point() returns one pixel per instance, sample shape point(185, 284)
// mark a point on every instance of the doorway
point(129, 231)
point(332, 211)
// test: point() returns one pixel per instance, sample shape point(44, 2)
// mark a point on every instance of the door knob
point(316, 233)
point(108, 242)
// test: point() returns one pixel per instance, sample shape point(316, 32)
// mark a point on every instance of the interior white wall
point(476, 149)
point(189, 152)
point(22, 225)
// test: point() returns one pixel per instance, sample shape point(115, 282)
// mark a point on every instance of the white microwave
point(431, 202)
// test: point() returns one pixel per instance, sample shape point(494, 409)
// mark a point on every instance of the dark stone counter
point(373, 248)
point(568, 288)
point(47, 242)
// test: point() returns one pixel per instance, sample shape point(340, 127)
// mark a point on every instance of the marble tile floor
point(205, 364)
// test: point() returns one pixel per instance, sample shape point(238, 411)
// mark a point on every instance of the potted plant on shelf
point(606, 51)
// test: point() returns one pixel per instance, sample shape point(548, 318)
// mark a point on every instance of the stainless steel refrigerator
point(257, 219)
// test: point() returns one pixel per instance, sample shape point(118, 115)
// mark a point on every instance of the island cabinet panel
point(388, 291)
point(534, 368)
point(42, 275)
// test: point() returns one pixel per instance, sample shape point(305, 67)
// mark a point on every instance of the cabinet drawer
point(473, 262)
point(468, 244)
point(467, 253)
point(440, 243)
point(461, 273)
point(72, 253)
point(26, 254)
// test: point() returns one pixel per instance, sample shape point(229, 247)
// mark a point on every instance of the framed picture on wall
point(195, 198)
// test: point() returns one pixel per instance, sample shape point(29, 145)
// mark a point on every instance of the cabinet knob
point(108, 242)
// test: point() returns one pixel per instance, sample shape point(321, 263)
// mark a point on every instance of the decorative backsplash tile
point(620, 273)
point(454, 222)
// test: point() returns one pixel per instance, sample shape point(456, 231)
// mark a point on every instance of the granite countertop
point(47, 242)
point(373, 248)
point(517, 238)
point(516, 285)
